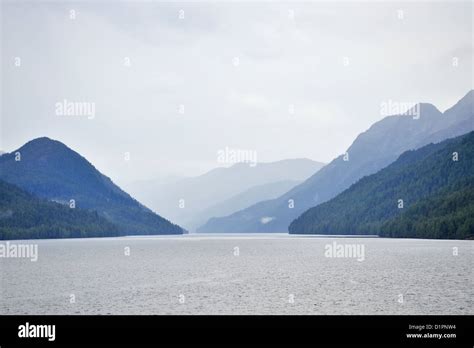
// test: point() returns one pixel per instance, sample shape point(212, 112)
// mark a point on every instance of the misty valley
point(307, 161)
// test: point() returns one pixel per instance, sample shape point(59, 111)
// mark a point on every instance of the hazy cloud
point(227, 74)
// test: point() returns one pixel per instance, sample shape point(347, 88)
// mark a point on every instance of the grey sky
point(289, 53)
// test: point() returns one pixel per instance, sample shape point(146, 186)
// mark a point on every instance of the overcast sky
point(286, 79)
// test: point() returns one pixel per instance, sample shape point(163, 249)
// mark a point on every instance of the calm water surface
point(239, 274)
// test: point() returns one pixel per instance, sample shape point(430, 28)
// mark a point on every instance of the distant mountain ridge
point(217, 191)
point(49, 169)
point(434, 185)
point(371, 151)
point(249, 197)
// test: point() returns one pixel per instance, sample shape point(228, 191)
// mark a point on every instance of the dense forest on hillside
point(24, 216)
point(448, 214)
point(436, 190)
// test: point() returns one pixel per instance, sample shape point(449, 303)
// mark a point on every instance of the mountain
point(192, 201)
point(437, 194)
point(248, 197)
point(24, 216)
point(50, 170)
point(371, 151)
